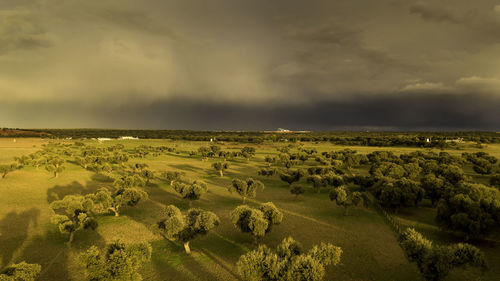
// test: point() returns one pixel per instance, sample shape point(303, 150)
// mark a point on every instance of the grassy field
point(370, 248)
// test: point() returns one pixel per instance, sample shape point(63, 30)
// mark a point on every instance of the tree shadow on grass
point(171, 260)
point(58, 192)
point(14, 229)
point(97, 177)
point(186, 167)
point(53, 254)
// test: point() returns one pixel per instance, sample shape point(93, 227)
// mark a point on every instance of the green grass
point(370, 248)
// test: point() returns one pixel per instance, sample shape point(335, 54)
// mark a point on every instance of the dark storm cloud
point(222, 63)
point(381, 112)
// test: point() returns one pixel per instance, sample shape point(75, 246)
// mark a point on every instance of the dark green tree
point(248, 152)
point(77, 214)
point(290, 176)
point(220, 166)
point(185, 228)
point(246, 188)
point(257, 222)
point(297, 190)
point(105, 200)
point(317, 182)
point(191, 190)
point(343, 197)
point(473, 209)
point(173, 176)
point(120, 262)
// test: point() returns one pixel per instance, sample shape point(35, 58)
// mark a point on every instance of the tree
point(100, 168)
point(246, 188)
point(317, 182)
point(7, 168)
point(266, 172)
point(388, 169)
point(55, 166)
point(23, 160)
point(191, 190)
point(397, 193)
point(108, 201)
point(129, 181)
point(121, 262)
point(257, 222)
point(173, 176)
point(451, 173)
point(138, 167)
point(288, 262)
point(495, 180)
point(269, 160)
point(290, 176)
point(220, 166)
point(297, 190)
point(344, 198)
point(333, 179)
point(434, 187)
point(248, 152)
point(482, 166)
point(435, 262)
point(20, 272)
point(472, 209)
point(208, 151)
point(185, 228)
point(147, 175)
point(77, 211)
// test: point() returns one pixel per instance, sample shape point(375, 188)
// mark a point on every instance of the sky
point(250, 65)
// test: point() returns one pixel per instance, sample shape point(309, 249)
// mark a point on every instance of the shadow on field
point(14, 229)
point(52, 253)
point(171, 260)
point(75, 188)
point(186, 167)
point(102, 178)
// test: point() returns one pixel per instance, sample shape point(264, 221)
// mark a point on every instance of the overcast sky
point(260, 64)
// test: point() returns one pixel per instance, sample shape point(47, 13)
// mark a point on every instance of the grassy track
point(371, 251)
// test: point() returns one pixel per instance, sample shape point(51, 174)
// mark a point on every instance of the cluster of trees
point(481, 161)
point(119, 262)
point(469, 208)
point(288, 262)
point(435, 261)
point(215, 151)
point(76, 212)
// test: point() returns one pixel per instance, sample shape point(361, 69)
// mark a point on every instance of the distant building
point(128, 138)
point(103, 139)
point(283, 130)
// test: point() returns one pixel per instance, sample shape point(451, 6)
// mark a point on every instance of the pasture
point(370, 247)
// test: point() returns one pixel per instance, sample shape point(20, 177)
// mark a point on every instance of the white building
point(283, 130)
point(128, 138)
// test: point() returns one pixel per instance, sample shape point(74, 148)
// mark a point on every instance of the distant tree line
point(413, 139)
